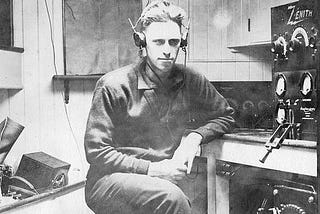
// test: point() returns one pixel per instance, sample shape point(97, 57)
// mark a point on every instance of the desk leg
point(211, 183)
point(222, 195)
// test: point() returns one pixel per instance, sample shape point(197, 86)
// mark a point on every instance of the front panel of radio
point(295, 35)
point(295, 101)
point(295, 111)
point(295, 44)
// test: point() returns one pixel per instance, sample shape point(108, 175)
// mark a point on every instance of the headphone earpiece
point(184, 40)
point(183, 43)
point(139, 39)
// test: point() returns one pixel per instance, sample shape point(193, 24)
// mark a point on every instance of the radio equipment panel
point(295, 101)
point(295, 44)
point(295, 33)
point(295, 93)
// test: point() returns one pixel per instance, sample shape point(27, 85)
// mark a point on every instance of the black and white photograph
point(159, 106)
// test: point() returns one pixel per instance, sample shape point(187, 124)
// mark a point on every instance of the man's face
point(163, 42)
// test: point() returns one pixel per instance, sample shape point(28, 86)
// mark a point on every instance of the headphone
point(140, 39)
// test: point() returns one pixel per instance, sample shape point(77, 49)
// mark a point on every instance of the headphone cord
point(184, 49)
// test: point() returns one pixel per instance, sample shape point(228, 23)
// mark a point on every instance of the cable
point(56, 72)
point(25, 181)
point(70, 8)
point(51, 38)
point(184, 49)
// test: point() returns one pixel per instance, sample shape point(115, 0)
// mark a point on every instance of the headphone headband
point(139, 37)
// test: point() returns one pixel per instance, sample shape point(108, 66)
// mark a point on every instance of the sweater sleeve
point(211, 108)
point(99, 146)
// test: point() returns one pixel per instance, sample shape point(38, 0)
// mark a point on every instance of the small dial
point(281, 116)
point(280, 85)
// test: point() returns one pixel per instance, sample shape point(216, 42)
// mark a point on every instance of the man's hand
point(168, 169)
point(187, 150)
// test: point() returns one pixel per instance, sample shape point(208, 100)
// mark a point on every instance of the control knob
point(279, 47)
point(296, 44)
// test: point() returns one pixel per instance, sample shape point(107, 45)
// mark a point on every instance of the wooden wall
point(214, 27)
point(40, 107)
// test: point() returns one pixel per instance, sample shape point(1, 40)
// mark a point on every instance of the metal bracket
point(66, 91)
point(272, 144)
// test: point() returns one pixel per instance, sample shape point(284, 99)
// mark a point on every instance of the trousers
point(126, 193)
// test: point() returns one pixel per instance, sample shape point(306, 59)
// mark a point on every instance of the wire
point(51, 38)
point(56, 72)
point(25, 181)
point(70, 8)
point(184, 49)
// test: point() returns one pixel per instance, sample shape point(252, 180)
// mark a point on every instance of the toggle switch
point(312, 42)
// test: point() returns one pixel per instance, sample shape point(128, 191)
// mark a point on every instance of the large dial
point(291, 209)
point(281, 85)
point(306, 84)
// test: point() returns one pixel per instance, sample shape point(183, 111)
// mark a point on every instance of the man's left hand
point(187, 150)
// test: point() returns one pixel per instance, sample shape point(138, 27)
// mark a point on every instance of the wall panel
point(31, 74)
point(199, 33)
point(39, 106)
point(215, 26)
point(226, 32)
point(214, 29)
point(228, 71)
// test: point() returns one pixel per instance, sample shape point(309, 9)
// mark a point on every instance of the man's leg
point(133, 193)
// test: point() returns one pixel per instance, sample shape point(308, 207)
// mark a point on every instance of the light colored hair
point(161, 11)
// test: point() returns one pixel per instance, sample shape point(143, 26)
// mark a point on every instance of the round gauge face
point(306, 85)
point(281, 116)
point(247, 105)
point(263, 106)
point(280, 86)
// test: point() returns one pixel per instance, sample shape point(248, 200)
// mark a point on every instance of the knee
point(175, 201)
point(176, 196)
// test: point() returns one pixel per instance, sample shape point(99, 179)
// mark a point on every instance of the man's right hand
point(168, 169)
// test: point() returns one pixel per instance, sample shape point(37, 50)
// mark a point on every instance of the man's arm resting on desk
point(187, 150)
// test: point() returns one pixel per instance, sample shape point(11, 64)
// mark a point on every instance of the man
point(146, 124)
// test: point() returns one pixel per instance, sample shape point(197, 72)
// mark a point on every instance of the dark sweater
point(132, 121)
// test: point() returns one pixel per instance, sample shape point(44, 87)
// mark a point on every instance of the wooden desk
point(293, 157)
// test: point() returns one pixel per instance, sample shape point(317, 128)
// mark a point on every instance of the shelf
point(262, 44)
point(77, 77)
point(67, 78)
point(10, 48)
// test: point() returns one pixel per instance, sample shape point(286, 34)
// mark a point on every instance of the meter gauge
point(248, 105)
point(280, 115)
point(306, 85)
point(281, 86)
point(263, 106)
